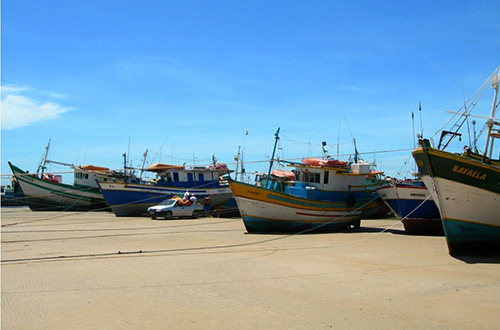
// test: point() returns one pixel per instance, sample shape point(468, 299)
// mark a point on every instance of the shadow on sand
point(478, 253)
point(480, 258)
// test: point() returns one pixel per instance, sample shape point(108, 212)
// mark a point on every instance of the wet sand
point(95, 271)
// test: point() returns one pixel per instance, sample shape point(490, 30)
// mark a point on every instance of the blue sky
point(188, 79)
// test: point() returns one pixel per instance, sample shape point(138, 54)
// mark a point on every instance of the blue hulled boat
point(133, 199)
point(411, 202)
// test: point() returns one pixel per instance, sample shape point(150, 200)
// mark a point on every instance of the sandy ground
point(95, 271)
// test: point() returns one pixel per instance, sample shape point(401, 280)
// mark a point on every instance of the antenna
point(353, 140)
point(242, 156)
point(338, 141)
point(420, 114)
point(128, 149)
point(160, 150)
point(413, 127)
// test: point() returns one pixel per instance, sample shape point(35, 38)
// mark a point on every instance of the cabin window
point(190, 177)
point(86, 176)
point(176, 176)
point(201, 177)
point(325, 178)
point(311, 177)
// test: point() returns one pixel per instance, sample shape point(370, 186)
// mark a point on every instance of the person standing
point(206, 203)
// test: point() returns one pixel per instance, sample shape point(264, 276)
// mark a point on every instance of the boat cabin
point(200, 176)
point(88, 175)
point(332, 177)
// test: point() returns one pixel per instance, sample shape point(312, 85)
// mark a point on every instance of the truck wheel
point(168, 215)
point(196, 214)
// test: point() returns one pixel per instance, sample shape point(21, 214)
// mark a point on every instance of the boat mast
point(125, 165)
point(276, 137)
point(143, 162)
point(242, 173)
point(43, 161)
point(237, 159)
point(491, 121)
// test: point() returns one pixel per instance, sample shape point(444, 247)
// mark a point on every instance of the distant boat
point(411, 201)
point(326, 195)
point(46, 192)
point(466, 187)
point(13, 195)
point(133, 199)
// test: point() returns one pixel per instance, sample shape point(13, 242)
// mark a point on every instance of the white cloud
point(14, 89)
point(19, 111)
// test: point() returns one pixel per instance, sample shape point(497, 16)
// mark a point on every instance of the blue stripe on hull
point(114, 197)
point(259, 225)
point(403, 207)
point(465, 237)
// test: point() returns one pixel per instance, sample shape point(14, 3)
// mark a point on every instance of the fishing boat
point(45, 191)
point(411, 202)
point(466, 185)
point(326, 195)
point(133, 199)
point(12, 195)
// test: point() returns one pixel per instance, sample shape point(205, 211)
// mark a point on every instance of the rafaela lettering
point(472, 173)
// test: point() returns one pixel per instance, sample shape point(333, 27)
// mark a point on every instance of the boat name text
point(472, 173)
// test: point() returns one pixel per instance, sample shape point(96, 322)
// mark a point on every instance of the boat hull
point(43, 195)
point(467, 193)
point(413, 204)
point(129, 199)
point(266, 210)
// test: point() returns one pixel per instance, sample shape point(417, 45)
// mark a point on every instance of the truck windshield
point(168, 202)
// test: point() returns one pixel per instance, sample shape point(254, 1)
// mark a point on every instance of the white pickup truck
point(170, 208)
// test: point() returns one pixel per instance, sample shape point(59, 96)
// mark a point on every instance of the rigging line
point(257, 161)
point(59, 215)
point(416, 208)
point(339, 218)
point(201, 248)
point(181, 224)
point(475, 97)
point(157, 231)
